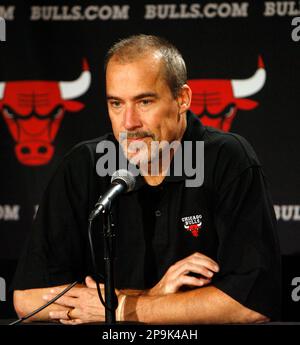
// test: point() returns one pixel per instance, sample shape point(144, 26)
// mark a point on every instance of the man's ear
point(184, 98)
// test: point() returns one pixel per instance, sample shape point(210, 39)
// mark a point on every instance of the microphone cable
point(95, 268)
point(69, 287)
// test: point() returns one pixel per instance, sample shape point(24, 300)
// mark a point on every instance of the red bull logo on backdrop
point(33, 111)
point(216, 101)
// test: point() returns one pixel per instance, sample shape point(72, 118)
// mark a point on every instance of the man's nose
point(132, 119)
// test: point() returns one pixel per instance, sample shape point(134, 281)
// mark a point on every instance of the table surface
point(8, 321)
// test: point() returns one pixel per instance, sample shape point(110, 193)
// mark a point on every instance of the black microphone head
point(124, 176)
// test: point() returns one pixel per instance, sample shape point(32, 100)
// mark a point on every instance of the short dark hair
point(133, 47)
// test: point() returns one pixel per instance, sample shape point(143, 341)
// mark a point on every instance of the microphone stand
point(121, 181)
point(109, 262)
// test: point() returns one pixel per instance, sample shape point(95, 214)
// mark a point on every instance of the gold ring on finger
point(69, 314)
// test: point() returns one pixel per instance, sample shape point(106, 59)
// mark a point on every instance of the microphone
point(122, 181)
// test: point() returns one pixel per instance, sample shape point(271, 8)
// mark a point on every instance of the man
point(206, 254)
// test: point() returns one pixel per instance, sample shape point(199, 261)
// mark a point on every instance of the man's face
point(141, 105)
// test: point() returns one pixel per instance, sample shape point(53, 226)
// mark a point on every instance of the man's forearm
point(202, 305)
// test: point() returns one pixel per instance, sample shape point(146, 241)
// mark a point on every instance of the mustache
point(136, 135)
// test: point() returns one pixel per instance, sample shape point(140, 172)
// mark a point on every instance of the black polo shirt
point(230, 218)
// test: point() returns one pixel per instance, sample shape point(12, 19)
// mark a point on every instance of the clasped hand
point(83, 305)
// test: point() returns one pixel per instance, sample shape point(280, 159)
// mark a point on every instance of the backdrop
point(245, 54)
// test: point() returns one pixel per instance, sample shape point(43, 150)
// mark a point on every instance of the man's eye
point(145, 102)
point(115, 104)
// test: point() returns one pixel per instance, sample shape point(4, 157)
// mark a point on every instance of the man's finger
point(194, 268)
point(200, 259)
point(74, 292)
point(193, 281)
point(71, 322)
point(209, 264)
point(58, 314)
point(64, 300)
point(90, 282)
point(203, 258)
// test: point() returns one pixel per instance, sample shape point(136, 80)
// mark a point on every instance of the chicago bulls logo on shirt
point(193, 224)
point(33, 111)
point(216, 101)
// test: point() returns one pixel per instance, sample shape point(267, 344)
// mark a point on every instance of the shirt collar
point(194, 132)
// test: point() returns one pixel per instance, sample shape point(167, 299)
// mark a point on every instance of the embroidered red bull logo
point(216, 101)
point(192, 224)
point(33, 111)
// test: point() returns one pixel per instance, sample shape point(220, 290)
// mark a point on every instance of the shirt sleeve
point(54, 252)
point(248, 252)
